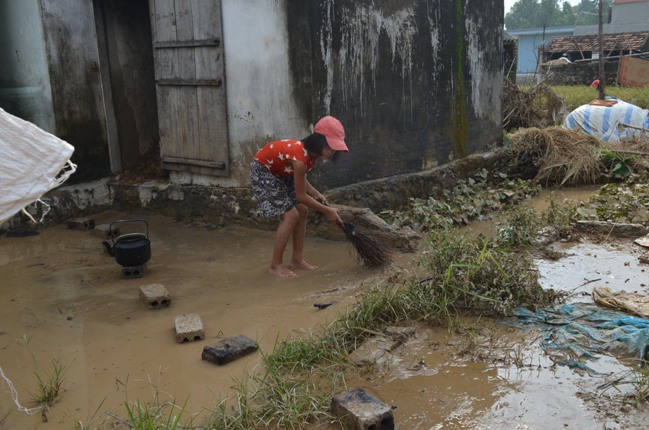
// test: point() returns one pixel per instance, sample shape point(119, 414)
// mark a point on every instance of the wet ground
point(62, 292)
point(70, 300)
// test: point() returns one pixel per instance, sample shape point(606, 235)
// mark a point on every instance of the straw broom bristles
point(369, 251)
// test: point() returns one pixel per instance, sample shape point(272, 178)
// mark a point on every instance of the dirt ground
point(63, 293)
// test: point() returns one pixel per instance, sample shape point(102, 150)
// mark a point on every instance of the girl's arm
point(310, 190)
point(304, 192)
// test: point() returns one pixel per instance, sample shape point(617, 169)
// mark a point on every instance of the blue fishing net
point(575, 333)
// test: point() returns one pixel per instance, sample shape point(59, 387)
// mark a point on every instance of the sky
point(510, 3)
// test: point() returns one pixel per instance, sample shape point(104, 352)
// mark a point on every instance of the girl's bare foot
point(301, 264)
point(282, 271)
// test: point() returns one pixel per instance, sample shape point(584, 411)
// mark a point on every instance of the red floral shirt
point(275, 155)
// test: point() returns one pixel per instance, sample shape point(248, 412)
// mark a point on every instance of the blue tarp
point(583, 331)
point(609, 123)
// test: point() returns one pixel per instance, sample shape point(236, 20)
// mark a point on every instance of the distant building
point(626, 26)
point(586, 47)
point(531, 44)
point(625, 16)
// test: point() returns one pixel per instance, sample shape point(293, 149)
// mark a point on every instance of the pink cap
point(333, 130)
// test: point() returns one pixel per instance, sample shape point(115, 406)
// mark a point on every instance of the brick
point(359, 410)
point(155, 296)
point(81, 224)
point(105, 232)
point(189, 327)
point(229, 350)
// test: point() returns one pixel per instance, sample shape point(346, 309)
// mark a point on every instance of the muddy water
point(72, 302)
point(502, 379)
point(63, 293)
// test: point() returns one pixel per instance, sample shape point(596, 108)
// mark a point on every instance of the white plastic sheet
point(33, 162)
point(609, 124)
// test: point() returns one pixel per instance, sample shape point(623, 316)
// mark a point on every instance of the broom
point(368, 250)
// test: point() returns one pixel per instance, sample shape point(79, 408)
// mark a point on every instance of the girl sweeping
point(280, 187)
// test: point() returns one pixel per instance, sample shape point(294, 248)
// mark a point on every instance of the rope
point(14, 396)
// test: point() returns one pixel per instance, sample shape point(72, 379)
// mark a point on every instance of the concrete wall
point(416, 83)
point(413, 81)
point(24, 79)
point(579, 73)
point(630, 13)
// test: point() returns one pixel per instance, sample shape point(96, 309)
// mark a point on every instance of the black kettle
point(130, 249)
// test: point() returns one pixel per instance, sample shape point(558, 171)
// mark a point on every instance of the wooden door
point(190, 87)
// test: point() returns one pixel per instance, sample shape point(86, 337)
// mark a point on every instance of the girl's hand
point(333, 216)
point(322, 199)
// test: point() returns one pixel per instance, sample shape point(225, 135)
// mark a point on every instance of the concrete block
point(81, 224)
point(189, 327)
point(155, 296)
point(104, 231)
point(229, 350)
point(360, 410)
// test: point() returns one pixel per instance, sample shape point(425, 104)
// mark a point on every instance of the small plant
point(520, 227)
point(619, 166)
point(49, 381)
point(159, 417)
point(641, 384)
point(156, 415)
point(559, 216)
point(91, 422)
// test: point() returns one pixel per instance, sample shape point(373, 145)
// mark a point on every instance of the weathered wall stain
point(459, 122)
point(417, 83)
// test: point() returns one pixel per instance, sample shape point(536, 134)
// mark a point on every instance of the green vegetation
point(618, 165)
point(468, 200)
point(576, 95)
point(163, 416)
point(456, 274)
point(49, 381)
point(92, 422)
point(626, 202)
point(553, 13)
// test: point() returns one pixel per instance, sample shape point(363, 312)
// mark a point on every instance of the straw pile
point(555, 156)
point(536, 107)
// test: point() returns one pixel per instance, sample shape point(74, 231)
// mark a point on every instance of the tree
point(548, 13)
point(521, 15)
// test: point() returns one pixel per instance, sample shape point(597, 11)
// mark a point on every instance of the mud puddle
point(70, 300)
point(501, 378)
point(63, 293)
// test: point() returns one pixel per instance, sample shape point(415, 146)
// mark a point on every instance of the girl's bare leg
point(286, 227)
point(299, 234)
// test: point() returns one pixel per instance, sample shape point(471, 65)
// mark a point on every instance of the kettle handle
point(110, 226)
